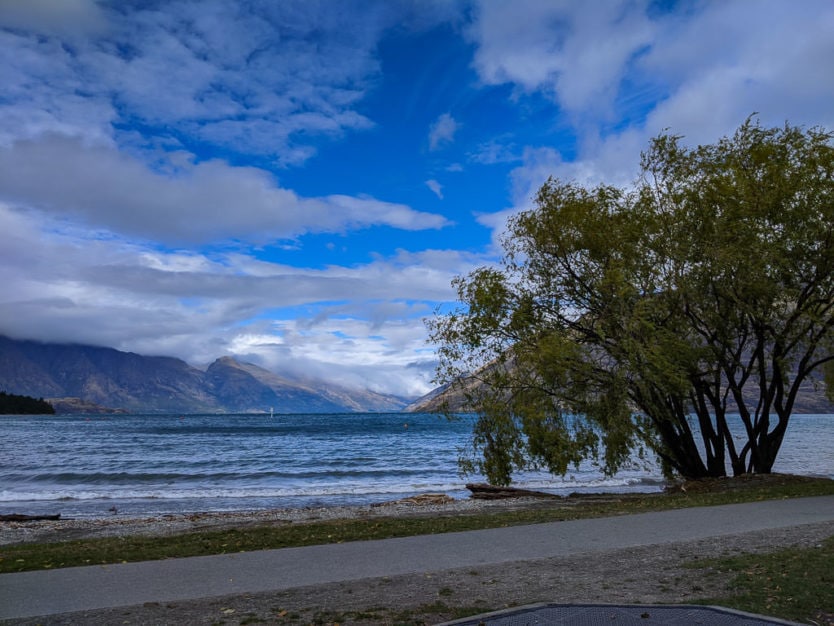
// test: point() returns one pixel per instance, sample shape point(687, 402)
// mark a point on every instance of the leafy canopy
point(641, 317)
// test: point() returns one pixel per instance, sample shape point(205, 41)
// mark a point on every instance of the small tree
point(622, 319)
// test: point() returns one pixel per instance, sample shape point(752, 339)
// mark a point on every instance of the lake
point(84, 466)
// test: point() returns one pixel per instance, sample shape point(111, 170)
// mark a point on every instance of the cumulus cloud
point(194, 203)
point(625, 73)
point(442, 131)
point(725, 63)
point(577, 52)
point(436, 187)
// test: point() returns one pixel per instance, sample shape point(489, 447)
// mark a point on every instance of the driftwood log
point(423, 499)
point(17, 517)
point(483, 491)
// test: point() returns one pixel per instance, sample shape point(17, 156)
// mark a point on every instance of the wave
point(208, 494)
point(315, 491)
point(143, 478)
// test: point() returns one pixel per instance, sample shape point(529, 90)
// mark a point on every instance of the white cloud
point(383, 360)
point(192, 203)
point(496, 150)
point(442, 131)
point(727, 62)
point(436, 187)
point(363, 211)
point(262, 80)
point(624, 75)
point(67, 17)
point(575, 51)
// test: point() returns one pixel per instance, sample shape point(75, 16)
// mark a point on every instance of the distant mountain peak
point(135, 383)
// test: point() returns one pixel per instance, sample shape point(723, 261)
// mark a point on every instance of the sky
point(296, 183)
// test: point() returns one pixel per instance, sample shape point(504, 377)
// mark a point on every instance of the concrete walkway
point(31, 594)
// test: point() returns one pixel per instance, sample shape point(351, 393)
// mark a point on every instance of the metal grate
point(612, 615)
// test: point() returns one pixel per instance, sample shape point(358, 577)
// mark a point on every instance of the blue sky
point(297, 183)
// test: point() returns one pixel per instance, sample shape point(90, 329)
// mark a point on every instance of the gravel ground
point(653, 574)
point(45, 531)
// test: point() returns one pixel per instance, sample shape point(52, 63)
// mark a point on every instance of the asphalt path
point(32, 594)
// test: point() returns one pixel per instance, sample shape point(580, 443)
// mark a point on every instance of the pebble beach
point(122, 525)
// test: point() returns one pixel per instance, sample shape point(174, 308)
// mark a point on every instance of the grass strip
point(794, 584)
point(34, 556)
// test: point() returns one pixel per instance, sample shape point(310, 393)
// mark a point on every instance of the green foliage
point(616, 315)
point(11, 404)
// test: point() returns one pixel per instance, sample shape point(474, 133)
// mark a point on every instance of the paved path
point(31, 594)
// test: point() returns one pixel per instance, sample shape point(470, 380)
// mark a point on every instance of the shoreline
point(416, 506)
point(126, 506)
point(118, 525)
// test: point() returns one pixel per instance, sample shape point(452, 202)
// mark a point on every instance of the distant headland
point(11, 404)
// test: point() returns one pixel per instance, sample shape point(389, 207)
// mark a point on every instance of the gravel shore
point(653, 574)
point(44, 531)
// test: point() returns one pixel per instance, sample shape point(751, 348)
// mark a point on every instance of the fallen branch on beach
point(17, 517)
point(423, 499)
point(483, 491)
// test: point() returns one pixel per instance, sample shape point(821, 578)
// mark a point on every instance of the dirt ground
point(654, 574)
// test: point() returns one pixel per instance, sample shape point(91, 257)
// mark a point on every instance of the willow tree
point(639, 318)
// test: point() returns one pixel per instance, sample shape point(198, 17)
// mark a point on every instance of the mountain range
point(81, 378)
point(89, 379)
point(811, 399)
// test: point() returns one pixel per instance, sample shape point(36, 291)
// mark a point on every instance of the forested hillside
point(11, 404)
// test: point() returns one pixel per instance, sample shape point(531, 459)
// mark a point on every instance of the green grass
point(34, 556)
point(794, 584)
